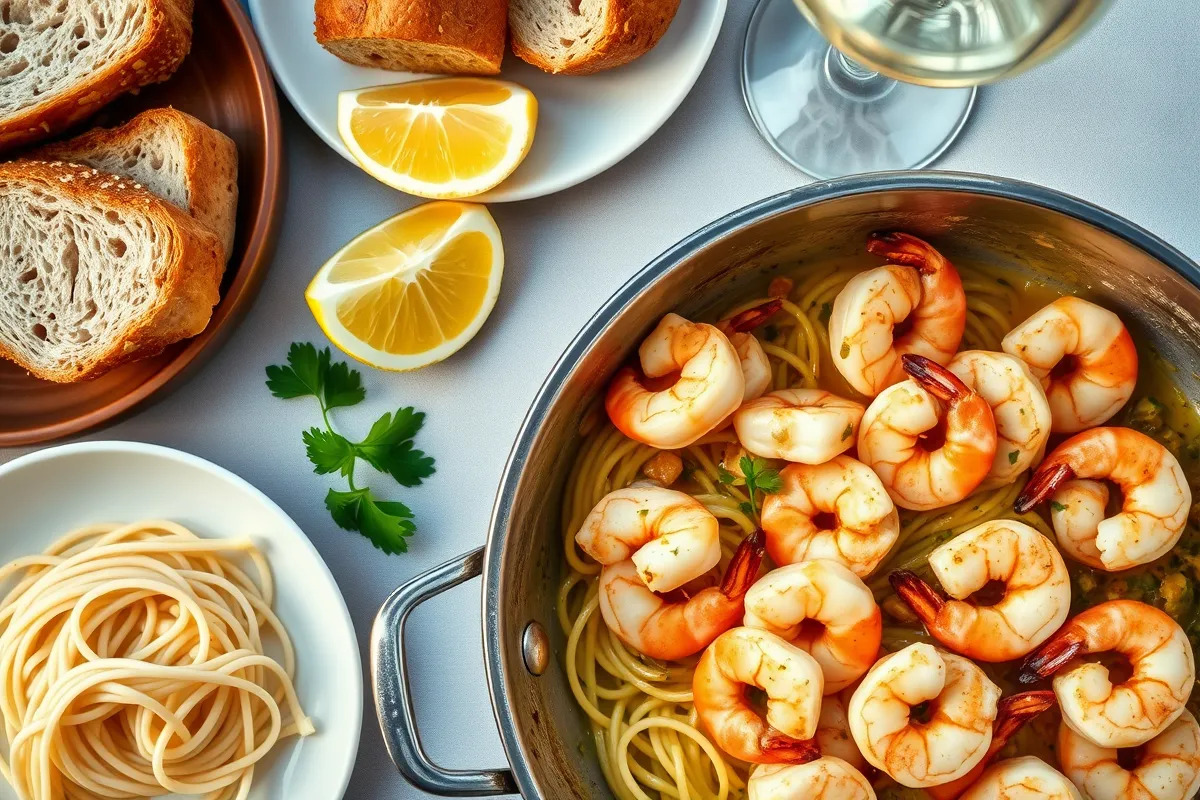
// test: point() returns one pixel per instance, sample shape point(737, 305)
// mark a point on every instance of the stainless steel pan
point(970, 218)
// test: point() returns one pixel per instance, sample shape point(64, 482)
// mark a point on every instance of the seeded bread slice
point(458, 37)
point(61, 61)
point(96, 271)
point(578, 37)
point(172, 154)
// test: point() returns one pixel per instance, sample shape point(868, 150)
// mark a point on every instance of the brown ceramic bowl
point(225, 82)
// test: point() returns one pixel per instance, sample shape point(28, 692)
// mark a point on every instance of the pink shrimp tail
point(1015, 710)
point(1052, 656)
point(923, 599)
point(901, 248)
point(752, 318)
point(743, 568)
point(1045, 479)
point(934, 378)
point(779, 748)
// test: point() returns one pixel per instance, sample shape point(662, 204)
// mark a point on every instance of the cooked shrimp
point(900, 432)
point(756, 367)
point(846, 642)
point(827, 778)
point(1166, 768)
point(1129, 712)
point(1156, 496)
point(833, 733)
point(1018, 405)
point(671, 537)
point(1024, 778)
point(671, 629)
point(804, 426)
point(1013, 712)
point(924, 716)
point(1084, 357)
point(792, 681)
point(916, 304)
point(1077, 508)
point(709, 388)
point(1035, 602)
point(838, 511)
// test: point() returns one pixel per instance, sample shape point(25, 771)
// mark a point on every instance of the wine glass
point(894, 81)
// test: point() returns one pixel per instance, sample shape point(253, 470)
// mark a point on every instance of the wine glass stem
point(853, 80)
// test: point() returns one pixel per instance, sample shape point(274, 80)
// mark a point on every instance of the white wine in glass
point(844, 86)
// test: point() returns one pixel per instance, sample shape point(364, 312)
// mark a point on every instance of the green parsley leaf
point(343, 386)
point(768, 482)
point(1013, 455)
point(389, 448)
point(724, 476)
point(760, 478)
point(310, 373)
point(303, 375)
point(747, 509)
point(328, 451)
point(386, 524)
point(1057, 506)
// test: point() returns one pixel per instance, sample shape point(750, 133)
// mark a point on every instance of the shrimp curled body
point(793, 684)
point(920, 289)
point(1084, 357)
point(1131, 712)
point(1167, 767)
point(804, 426)
point(1156, 495)
point(847, 641)
point(1036, 600)
point(962, 705)
point(710, 386)
point(917, 475)
point(827, 778)
point(864, 524)
point(1024, 778)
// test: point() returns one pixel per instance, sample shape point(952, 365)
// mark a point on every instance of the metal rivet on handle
point(535, 648)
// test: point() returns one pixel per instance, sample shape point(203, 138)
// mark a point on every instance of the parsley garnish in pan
point(388, 446)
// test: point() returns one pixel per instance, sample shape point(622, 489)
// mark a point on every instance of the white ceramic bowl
point(45, 494)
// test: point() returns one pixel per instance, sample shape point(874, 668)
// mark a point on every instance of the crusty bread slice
point(96, 271)
point(578, 37)
point(172, 154)
point(60, 61)
point(460, 37)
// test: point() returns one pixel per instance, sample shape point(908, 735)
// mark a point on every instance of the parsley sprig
point(760, 480)
point(388, 446)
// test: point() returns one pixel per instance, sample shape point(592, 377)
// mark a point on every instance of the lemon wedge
point(412, 290)
point(441, 138)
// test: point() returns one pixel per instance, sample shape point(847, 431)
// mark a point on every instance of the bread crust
point(210, 162)
point(632, 28)
point(189, 287)
point(165, 41)
point(458, 36)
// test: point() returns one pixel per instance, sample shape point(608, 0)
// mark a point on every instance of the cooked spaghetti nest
point(133, 663)
point(640, 710)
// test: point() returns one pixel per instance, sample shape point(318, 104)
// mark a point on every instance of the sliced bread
point(96, 271)
point(578, 37)
point(61, 61)
point(460, 37)
point(172, 154)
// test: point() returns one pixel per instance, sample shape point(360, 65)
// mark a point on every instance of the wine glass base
point(830, 117)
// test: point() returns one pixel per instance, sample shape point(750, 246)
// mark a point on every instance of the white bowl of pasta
point(167, 630)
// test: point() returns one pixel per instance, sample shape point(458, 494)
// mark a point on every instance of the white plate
point(585, 123)
point(46, 494)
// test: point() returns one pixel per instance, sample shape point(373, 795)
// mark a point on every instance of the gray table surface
point(1113, 120)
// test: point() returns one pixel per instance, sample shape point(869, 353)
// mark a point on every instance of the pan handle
point(393, 697)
